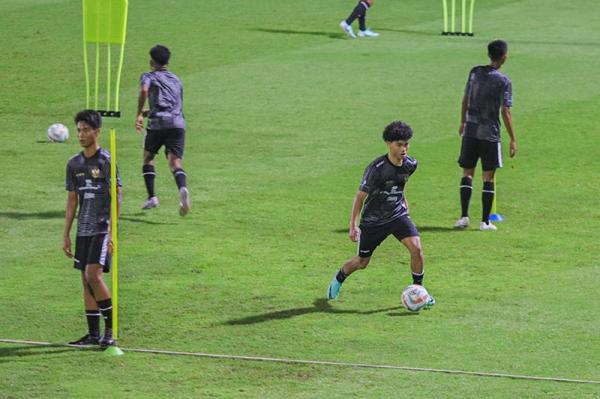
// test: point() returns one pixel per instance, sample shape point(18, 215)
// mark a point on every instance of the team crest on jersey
point(95, 173)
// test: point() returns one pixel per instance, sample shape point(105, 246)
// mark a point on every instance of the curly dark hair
point(89, 116)
point(397, 130)
point(160, 55)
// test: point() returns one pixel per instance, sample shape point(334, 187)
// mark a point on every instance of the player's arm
point(463, 115)
point(357, 206)
point(507, 118)
point(72, 201)
point(141, 112)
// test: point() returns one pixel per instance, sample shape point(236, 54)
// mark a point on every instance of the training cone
point(113, 351)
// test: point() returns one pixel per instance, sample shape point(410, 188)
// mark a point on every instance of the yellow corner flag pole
point(105, 27)
point(495, 216)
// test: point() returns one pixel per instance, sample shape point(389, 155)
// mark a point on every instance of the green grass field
point(283, 115)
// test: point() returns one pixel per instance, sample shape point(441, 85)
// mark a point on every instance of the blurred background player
point(488, 93)
point(88, 186)
point(166, 125)
point(360, 13)
point(385, 211)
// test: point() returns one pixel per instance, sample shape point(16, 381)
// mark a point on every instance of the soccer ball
point(414, 297)
point(58, 133)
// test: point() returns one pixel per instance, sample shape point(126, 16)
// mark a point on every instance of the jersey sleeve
point(70, 182)
point(414, 167)
point(507, 94)
point(145, 80)
point(469, 79)
point(367, 183)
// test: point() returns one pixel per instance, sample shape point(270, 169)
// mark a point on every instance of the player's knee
point(92, 278)
point(363, 262)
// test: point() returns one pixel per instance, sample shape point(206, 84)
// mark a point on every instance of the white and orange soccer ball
point(415, 297)
point(58, 133)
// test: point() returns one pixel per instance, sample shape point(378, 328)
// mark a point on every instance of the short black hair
point(89, 116)
point(397, 130)
point(497, 49)
point(160, 55)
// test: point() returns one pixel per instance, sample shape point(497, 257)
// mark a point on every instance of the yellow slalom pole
point(445, 11)
point(114, 216)
point(494, 215)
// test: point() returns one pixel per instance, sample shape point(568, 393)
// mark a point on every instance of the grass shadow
point(410, 32)
point(320, 305)
point(30, 350)
point(330, 35)
point(140, 220)
point(33, 215)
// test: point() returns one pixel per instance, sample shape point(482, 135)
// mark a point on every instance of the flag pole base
point(113, 351)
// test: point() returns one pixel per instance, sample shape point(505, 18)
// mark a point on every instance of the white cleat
point(150, 203)
point(367, 33)
point(462, 223)
point(487, 227)
point(348, 29)
point(184, 201)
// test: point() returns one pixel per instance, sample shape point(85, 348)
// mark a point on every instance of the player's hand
point(139, 123)
point(461, 130)
point(354, 233)
point(67, 247)
point(513, 148)
point(145, 112)
point(110, 248)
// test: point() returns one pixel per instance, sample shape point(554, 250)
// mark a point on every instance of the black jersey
point(487, 90)
point(384, 183)
point(90, 178)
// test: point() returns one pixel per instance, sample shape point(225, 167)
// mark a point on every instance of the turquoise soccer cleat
point(430, 303)
point(334, 288)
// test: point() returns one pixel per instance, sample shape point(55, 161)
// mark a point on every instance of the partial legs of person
point(466, 189)
point(417, 261)
point(359, 12)
point(180, 179)
point(350, 266)
point(149, 173)
point(363, 31)
point(100, 292)
point(92, 314)
point(487, 199)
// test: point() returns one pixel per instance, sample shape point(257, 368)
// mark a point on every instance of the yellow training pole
point(114, 217)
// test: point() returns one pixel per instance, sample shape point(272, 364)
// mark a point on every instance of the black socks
point(149, 175)
point(179, 175)
point(487, 199)
point(466, 188)
point(93, 321)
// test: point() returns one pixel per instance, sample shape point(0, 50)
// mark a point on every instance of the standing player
point(385, 211)
point(166, 125)
point(88, 184)
point(360, 12)
point(488, 93)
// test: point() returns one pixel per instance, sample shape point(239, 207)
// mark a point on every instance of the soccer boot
point(86, 340)
point(107, 340)
point(462, 223)
point(430, 302)
point(334, 288)
point(367, 33)
point(487, 227)
point(150, 203)
point(184, 201)
point(348, 29)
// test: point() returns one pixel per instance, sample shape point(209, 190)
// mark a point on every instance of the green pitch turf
point(284, 112)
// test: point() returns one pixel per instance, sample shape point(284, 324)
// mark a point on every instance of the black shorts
point(472, 149)
point(92, 250)
point(371, 237)
point(172, 139)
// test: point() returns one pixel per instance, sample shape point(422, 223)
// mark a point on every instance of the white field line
point(323, 362)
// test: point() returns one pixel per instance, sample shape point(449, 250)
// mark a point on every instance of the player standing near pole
point(88, 186)
point(488, 93)
point(166, 125)
point(385, 211)
point(360, 13)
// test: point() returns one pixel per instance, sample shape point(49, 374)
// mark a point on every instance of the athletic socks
point(487, 198)
point(466, 188)
point(341, 276)
point(149, 174)
point(360, 11)
point(93, 321)
point(418, 278)
point(106, 310)
point(179, 175)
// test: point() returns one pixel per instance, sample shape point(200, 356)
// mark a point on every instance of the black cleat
point(107, 340)
point(86, 340)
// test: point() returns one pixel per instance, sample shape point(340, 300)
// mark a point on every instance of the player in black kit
point(385, 210)
point(88, 186)
point(488, 93)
